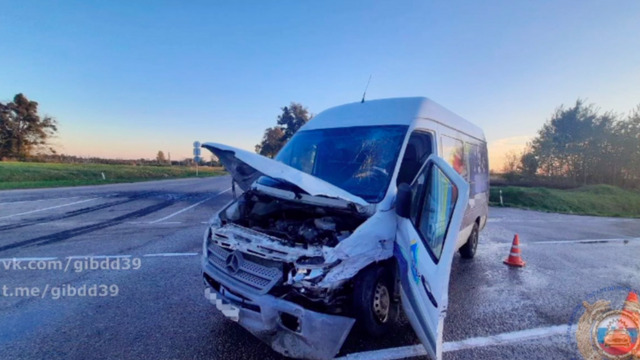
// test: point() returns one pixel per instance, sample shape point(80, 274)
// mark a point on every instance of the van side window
point(471, 152)
point(453, 153)
point(432, 205)
point(419, 147)
point(477, 167)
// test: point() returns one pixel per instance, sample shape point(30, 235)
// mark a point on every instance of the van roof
point(395, 111)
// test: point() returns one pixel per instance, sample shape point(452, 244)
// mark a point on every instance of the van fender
point(371, 242)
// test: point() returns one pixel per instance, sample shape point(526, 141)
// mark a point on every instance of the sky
point(126, 79)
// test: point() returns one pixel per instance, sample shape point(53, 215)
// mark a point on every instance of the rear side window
point(477, 167)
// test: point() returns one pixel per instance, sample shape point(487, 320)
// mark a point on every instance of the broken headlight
point(311, 269)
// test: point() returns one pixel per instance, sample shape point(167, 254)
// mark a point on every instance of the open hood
point(246, 167)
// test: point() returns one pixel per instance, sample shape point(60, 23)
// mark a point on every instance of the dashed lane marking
point(49, 258)
point(170, 254)
point(37, 200)
point(49, 208)
point(188, 207)
point(585, 241)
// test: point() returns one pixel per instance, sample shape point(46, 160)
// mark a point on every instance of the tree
point(575, 142)
point(160, 157)
point(626, 150)
point(510, 163)
point(272, 142)
point(528, 164)
point(22, 130)
point(293, 117)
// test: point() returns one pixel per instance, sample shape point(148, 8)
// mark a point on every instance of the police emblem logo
point(604, 333)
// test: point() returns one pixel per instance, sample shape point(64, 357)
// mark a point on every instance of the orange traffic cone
point(514, 258)
point(631, 310)
point(632, 301)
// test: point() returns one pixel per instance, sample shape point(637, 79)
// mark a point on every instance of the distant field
point(23, 175)
point(599, 200)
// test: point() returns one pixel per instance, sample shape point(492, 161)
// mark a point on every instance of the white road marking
point(49, 208)
point(584, 241)
point(48, 258)
point(29, 259)
point(147, 222)
point(27, 201)
point(188, 207)
point(97, 256)
point(494, 340)
point(170, 254)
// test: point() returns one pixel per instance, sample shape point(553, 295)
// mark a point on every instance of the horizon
point(126, 80)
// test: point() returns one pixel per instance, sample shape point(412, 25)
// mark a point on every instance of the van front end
point(293, 291)
point(289, 328)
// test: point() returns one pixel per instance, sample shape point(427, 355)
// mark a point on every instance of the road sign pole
point(196, 154)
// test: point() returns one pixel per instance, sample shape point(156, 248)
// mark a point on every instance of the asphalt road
point(159, 311)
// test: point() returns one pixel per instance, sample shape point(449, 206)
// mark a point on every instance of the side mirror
point(403, 200)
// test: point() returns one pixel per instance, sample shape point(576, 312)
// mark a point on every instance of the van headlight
point(302, 274)
point(309, 269)
point(208, 236)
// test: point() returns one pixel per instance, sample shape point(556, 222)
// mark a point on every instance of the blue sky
point(128, 78)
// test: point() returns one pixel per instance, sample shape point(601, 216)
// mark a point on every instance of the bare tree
point(511, 161)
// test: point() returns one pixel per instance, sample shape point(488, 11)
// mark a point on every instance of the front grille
point(260, 277)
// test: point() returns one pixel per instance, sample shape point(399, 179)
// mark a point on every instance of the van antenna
point(365, 89)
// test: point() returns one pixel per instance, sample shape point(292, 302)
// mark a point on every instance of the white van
point(362, 210)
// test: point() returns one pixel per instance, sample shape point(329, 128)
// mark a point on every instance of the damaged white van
point(360, 212)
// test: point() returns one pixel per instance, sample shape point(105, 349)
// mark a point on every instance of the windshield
point(359, 160)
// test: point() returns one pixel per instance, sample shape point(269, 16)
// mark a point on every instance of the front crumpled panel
point(370, 242)
point(319, 337)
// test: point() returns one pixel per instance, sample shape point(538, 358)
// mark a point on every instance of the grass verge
point(24, 175)
point(598, 200)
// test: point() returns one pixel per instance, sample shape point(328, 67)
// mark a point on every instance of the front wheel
point(373, 303)
point(468, 250)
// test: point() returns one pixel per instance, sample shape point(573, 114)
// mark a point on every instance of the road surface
point(155, 309)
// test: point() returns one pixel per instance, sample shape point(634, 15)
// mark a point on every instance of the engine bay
point(295, 224)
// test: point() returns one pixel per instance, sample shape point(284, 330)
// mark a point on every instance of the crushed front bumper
point(288, 328)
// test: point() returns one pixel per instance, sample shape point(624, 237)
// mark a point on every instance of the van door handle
point(427, 288)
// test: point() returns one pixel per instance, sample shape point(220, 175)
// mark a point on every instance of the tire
point(373, 303)
point(468, 250)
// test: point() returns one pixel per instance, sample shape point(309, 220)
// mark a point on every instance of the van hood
point(246, 167)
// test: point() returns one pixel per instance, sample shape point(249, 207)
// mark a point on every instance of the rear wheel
point(468, 250)
point(373, 303)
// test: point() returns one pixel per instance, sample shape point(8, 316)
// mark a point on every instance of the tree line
point(582, 145)
point(22, 130)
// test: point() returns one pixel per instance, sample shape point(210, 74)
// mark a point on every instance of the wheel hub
point(381, 303)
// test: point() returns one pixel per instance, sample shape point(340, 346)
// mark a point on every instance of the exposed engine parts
point(295, 224)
